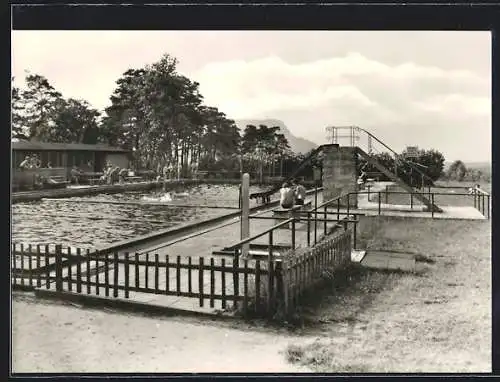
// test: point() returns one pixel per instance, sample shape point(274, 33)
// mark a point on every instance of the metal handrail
point(478, 190)
point(412, 193)
point(478, 198)
point(249, 239)
point(391, 150)
point(395, 153)
point(337, 198)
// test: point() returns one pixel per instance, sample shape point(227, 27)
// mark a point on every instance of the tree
point(250, 139)
point(17, 120)
point(428, 162)
point(41, 112)
point(39, 102)
point(434, 160)
point(384, 158)
point(159, 114)
point(281, 150)
point(75, 122)
point(259, 145)
point(155, 112)
point(457, 171)
point(125, 118)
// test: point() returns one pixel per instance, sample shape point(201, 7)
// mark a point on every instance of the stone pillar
point(339, 173)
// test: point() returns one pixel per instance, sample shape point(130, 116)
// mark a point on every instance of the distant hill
point(297, 144)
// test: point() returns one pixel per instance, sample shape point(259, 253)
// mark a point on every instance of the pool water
point(94, 221)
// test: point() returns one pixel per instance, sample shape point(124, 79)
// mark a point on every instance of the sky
point(423, 88)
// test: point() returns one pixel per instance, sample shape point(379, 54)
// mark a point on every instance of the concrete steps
point(398, 180)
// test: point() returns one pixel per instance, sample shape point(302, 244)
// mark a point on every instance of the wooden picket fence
point(32, 265)
point(249, 287)
point(303, 270)
point(213, 280)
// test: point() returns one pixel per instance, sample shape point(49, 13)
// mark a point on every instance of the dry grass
point(437, 321)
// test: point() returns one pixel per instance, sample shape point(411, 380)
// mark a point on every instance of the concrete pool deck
point(449, 212)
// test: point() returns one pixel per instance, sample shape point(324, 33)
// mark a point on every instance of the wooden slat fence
point(33, 265)
point(249, 287)
point(211, 282)
point(300, 272)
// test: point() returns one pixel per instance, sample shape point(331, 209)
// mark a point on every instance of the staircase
point(397, 180)
point(355, 136)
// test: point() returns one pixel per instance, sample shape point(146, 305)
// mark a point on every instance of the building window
point(44, 158)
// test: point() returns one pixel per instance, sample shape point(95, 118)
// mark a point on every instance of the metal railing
point(355, 140)
point(479, 199)
point(324, 207)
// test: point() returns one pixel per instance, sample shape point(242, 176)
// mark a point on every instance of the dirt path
point(50, 337)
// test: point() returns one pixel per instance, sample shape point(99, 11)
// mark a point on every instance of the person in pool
point(286, 196)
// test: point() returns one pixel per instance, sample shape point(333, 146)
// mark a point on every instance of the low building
point(70, 154)
point(63, 156)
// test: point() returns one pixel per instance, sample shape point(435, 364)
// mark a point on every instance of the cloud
point(406, 87)
point(428, 102)
point(451, 103)
point(262, 85)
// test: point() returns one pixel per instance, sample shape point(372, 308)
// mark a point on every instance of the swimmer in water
point(161, 197)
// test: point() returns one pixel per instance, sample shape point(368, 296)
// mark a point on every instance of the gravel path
point(56, 338)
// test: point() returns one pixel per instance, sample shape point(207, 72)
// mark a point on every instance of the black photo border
point(224, 15)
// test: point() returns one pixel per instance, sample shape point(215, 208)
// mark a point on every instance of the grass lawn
point(438, 320)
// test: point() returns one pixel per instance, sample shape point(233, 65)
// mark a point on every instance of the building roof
point(49, 146)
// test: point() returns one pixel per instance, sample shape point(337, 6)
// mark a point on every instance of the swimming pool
point(93, 221)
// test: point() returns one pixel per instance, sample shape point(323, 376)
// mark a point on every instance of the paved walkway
point(389, 261)
point(449, 212)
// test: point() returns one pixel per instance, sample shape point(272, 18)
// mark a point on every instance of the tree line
point(458, 171)
point(156, 113)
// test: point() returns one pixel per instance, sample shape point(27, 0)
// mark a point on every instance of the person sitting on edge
point(286, 196)
point(75, 175)
point(300, 194)
point(113, 174)
point(36, 162)
point(25, 163)
point(122, 174)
